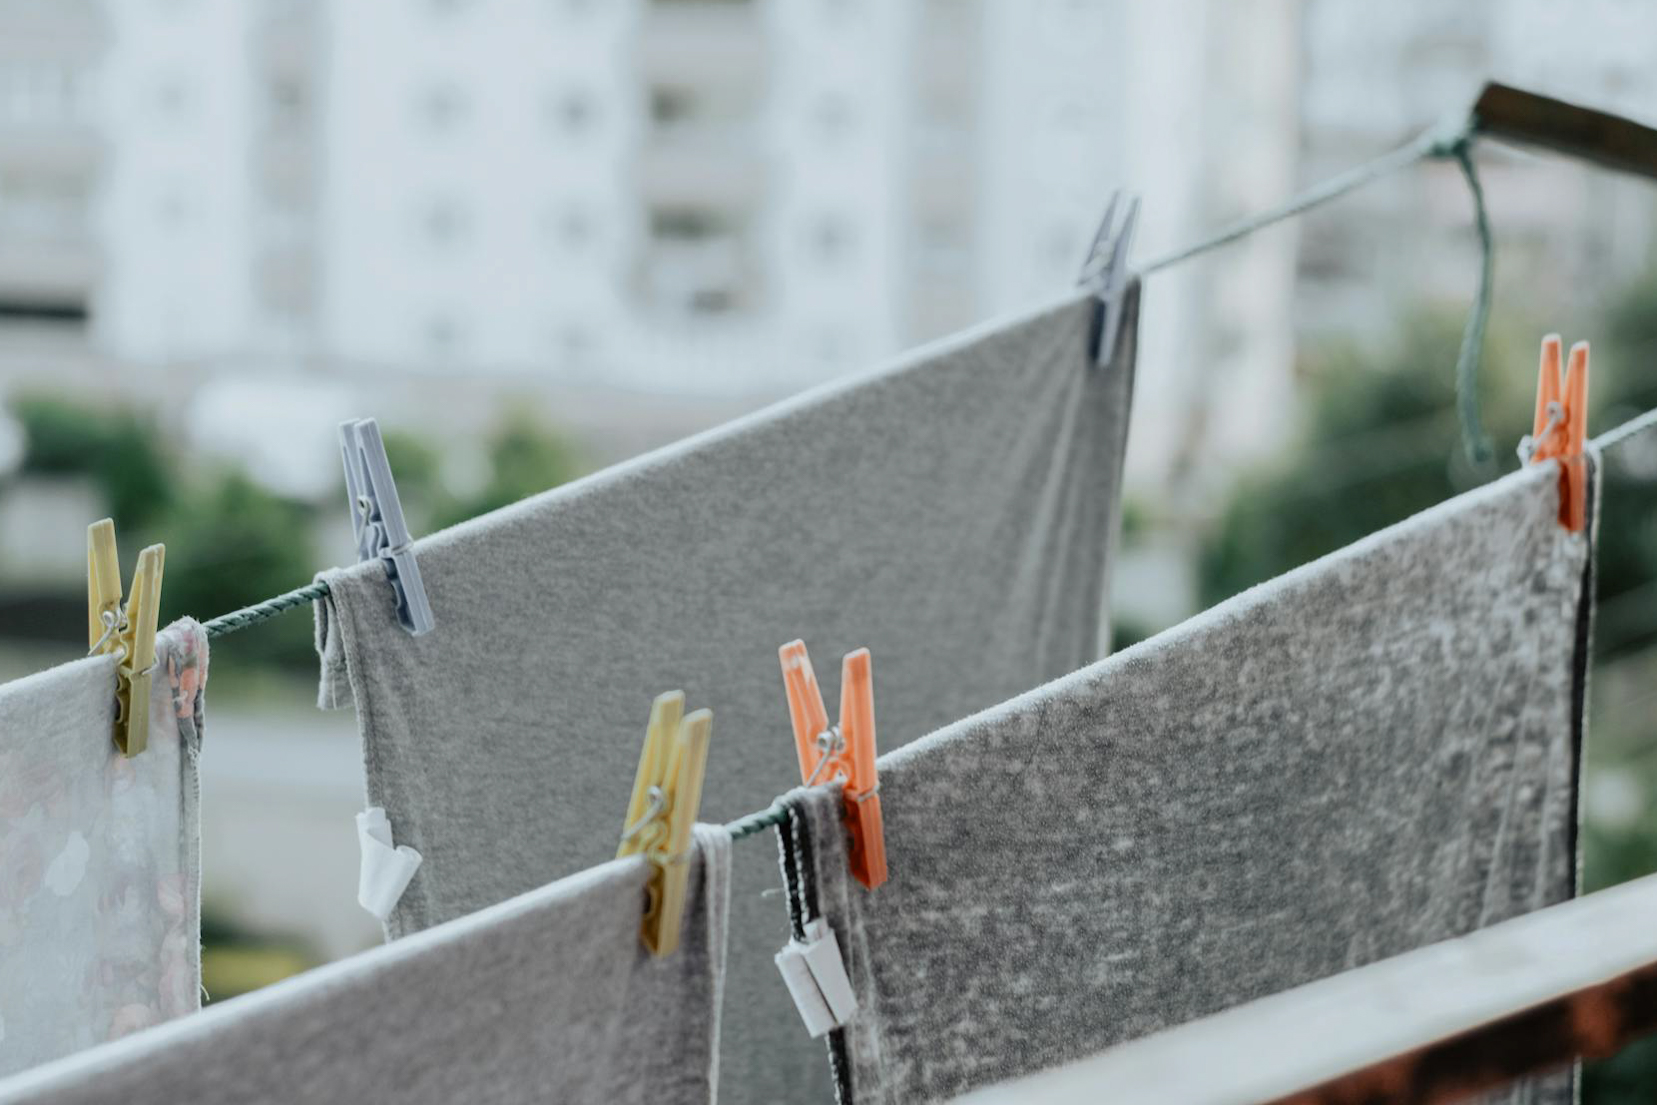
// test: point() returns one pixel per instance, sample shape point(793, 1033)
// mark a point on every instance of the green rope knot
point(1451, 137)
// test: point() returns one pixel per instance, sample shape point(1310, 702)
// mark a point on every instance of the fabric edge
point(190, 637)
point(1124, 363)
point(336, 638)
point(715, 843)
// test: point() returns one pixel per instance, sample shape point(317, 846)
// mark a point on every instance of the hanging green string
point(1473, 438)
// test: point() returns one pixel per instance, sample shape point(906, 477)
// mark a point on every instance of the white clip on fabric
point(386, 870)
point(816, 977)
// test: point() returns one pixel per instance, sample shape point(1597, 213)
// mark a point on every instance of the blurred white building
point(720, 197)
point(437, 201)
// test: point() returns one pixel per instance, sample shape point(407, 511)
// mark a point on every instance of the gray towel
point(953, 513)
point(1374, 752)
point(100, 871)
point(547, 997)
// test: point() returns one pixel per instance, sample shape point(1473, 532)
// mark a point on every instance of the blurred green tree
point(231, 544)
point(526, 457)
point(1380, 442)
point(119, 449)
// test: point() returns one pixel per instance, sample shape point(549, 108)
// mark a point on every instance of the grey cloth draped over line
point(547, 997)
point(1374, 752)
point(954, 513)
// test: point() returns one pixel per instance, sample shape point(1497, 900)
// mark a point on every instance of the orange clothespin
point(846, 751)
point(1562, 428)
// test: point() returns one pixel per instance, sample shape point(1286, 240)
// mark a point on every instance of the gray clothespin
point(377, 520)
point(1105, 272)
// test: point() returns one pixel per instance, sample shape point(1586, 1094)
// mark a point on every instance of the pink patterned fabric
point(100, 885)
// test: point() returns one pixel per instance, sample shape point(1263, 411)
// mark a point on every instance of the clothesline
point(1439, 142)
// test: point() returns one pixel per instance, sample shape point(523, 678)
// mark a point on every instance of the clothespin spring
point(1529, 443)
point(656, 803)
point(113, 623)
point(830, 743)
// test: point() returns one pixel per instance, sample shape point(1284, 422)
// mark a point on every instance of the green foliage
point(1624, 385)
point(232, 543)
point(417, 468)
point(120, 450)
point(526, 458)
point(1380, 442)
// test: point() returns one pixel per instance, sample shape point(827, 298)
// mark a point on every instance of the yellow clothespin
point(667, 792)
point(126, 630)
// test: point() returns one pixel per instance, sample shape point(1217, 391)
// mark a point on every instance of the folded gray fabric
point(953, 513)
point(100, 871)
point(547, 997)
point(1374, 752)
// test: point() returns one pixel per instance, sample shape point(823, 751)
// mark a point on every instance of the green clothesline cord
point(1439, 143)
point(775, 814)
point(1451, 140)
point(264, 611)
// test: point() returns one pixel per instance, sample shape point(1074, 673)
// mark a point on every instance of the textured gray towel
point(1371, 753)
point(548, 997)
point(953, 513)
point(100, 875)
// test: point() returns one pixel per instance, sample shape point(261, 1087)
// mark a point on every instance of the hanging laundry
point(547, 997)
point(100, 873)
point(955, 513)
point(1374, 752)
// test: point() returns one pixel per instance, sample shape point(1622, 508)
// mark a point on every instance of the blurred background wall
point(537, 236)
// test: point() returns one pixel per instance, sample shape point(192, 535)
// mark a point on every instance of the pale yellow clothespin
point(127, 630)
point(667, 792)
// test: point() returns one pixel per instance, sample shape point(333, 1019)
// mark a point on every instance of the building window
point(944, 244)
point(442, 107)
point(689, 224)
point(573, 228)
point(43, 207)
point(172, 97)
point(442, 336)
point(831, 239)
point(833, 115)
point(573, 112)
point(287, 102)
point(445, 223)
point(698, 261)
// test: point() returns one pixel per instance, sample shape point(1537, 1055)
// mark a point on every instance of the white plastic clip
point(377, 520)
point(816, 977)
point(386, 870)
point(1105, 272)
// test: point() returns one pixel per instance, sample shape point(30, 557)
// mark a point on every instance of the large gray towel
point(547, 997)
point(953, 513)
point(1374, 752)
point(100, 871)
